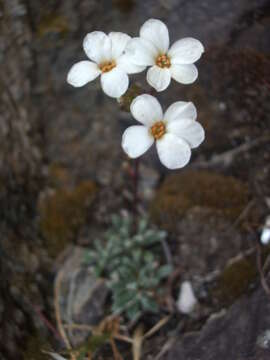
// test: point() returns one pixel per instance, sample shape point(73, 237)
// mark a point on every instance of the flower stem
point(136, 183)
point(136, 178)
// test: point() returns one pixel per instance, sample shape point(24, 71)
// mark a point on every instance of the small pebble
point(265, 235)
point(186, 301)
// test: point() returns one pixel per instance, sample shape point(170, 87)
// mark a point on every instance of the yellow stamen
point(158, 130)
point(163, 61)
point(107, 66)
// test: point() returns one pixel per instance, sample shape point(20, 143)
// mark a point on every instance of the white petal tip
point(136, 141)
point(82, 72)
point(158, 78)
point(187, 300)
point(146, 109)
point(186, 51)
point(184, 74)
point(71, 81)
point(115, 82)
point(173, 152)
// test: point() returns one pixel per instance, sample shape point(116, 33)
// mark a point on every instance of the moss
point(62, 214)
point(34, 347)
point(237, 279)
point(223, 195)
point(92, 344)
point(58, 175)
point(52, 23)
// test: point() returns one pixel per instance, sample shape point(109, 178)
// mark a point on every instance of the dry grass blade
point(116, 353)
point(137, 343)
point(81, 327)
point(123, 338)
point(84, 327)
point(156, 327)
point(57, 286)
point(55, 356)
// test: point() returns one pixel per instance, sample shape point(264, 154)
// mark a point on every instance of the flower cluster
point(115, 56)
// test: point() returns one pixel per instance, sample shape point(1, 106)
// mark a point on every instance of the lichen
point(62, 214)
point(52, 23)
point(237, 279)
point(223, 195)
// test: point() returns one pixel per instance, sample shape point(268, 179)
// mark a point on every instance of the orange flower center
point(158, 130)
point(163, 61)
point(107, 66)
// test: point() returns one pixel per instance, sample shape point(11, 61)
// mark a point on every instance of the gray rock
point(241, 334)
point(82, 295)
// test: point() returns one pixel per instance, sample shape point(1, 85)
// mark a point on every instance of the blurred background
point(63, 172)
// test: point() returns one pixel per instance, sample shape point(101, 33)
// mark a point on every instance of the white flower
point(152, 49)
point(176, 132)
point(108, 60)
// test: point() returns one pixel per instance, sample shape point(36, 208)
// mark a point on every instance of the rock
point(206, 241)
point(82, 295)
point(202, 210)
point(187, 300)
point(241, 334)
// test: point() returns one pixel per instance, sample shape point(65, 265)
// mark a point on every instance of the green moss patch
point(223, 195)
point(52, 23)
point(63, 213)
point(237, 279)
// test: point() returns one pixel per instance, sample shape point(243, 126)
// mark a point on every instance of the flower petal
point(158, 78)
point(180, 109)
point(186, 51)
point(184, 74)
point(115, 82)
point(126, 64)
point(157, 32)
point(146, 109)
point(98, 46)
point(173, 152)
point(119, 43)
point(136, 140)
point(141, 51)
point(82, 72)
point(189, 130)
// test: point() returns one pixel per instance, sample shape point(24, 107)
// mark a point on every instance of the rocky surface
point(208, 218)
point(82, 297)
point(241, 334)
point(20, 182)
